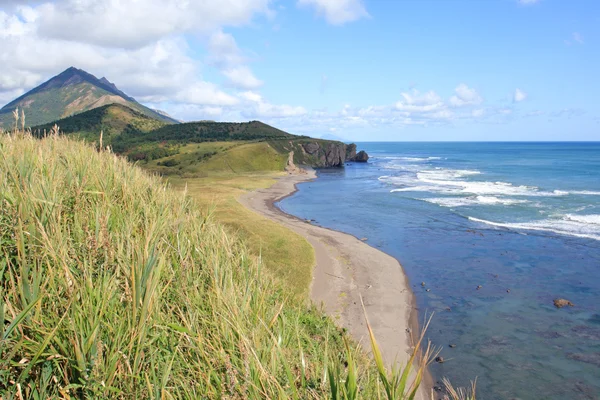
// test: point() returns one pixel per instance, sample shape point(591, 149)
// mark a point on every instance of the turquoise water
point(520, 219)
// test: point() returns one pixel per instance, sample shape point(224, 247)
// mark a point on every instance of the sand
point(346, 269)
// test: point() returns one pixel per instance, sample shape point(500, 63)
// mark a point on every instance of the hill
point(112, 120)
point(187, 148)
point(115, 287)
point(71, 92)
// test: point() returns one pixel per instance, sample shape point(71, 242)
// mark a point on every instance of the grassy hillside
point(112, 120)
point(71, 92)
point(219, 158)
point(114, 286)
point(201, 132)
point(188, 149)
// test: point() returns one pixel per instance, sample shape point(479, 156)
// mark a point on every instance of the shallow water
point(518, 217)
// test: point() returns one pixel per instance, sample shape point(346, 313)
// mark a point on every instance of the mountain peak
point(70, 92)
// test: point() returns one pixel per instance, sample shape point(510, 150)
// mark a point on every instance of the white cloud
point(259, 108)
point(251, 96)
point(528, 2)
point(228, 58)
point(478, 112)
point(465, 96)
point(136, 23)
point(268, 110)
point(137, 44)
point(519, 96)
point(242, 77)
point(337, 12)
point(223, 50)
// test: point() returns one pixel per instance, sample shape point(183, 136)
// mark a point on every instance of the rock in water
point(560, 303)
point(361, 156)
point(439, 360)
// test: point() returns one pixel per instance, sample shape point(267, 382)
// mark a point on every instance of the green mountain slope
point(112, 120)
point(71, 92)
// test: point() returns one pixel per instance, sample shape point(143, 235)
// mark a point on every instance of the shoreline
point(346, 268)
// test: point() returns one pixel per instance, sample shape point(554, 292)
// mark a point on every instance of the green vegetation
point(112, 120)
point(115, 286)
point(188, 149)
point(219, 159)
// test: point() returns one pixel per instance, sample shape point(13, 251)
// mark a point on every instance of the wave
point(564, 226)
point(586, 192)
point(412, 159)
point(440, 180)
point(473, 201)
point(592, 219)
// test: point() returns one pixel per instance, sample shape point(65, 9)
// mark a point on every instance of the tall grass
point(115, 286)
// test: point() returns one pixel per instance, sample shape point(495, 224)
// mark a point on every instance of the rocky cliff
point(320, 153)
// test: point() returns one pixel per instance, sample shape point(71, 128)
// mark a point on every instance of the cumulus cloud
point(337, 12)
point(242, 77)
point(465, 96)
point(259, 108)
point(414, 101)
point(140, 45)
point(225, 55)
point(519, 96)
point(136, 23)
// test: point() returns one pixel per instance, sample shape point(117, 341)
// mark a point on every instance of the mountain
point(71, 92)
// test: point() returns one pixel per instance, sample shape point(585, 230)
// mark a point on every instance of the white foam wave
point(448, 180)
point(593, 219)
point(473, 201)
point(560, 226)
point(586, 192)
point(411, 159)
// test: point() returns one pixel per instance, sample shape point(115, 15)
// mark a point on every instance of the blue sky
point(359, 70)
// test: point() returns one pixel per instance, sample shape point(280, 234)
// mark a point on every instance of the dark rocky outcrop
point(319, 153)
point(326, 154)
point(362, 156)
point(350, 152)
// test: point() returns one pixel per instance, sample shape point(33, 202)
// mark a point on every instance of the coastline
point(347, 268)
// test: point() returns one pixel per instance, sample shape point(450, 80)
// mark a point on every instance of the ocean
point(521, 221)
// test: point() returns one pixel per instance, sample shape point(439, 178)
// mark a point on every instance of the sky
point(360, 70)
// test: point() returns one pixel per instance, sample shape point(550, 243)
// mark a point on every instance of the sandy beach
point(347, 268)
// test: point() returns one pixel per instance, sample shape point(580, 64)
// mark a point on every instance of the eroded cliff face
point(320, 153)
point(329, 154)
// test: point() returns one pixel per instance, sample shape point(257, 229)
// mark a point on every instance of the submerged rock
point(560, 303)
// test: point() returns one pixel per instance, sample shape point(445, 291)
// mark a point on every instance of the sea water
point(520, 220)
